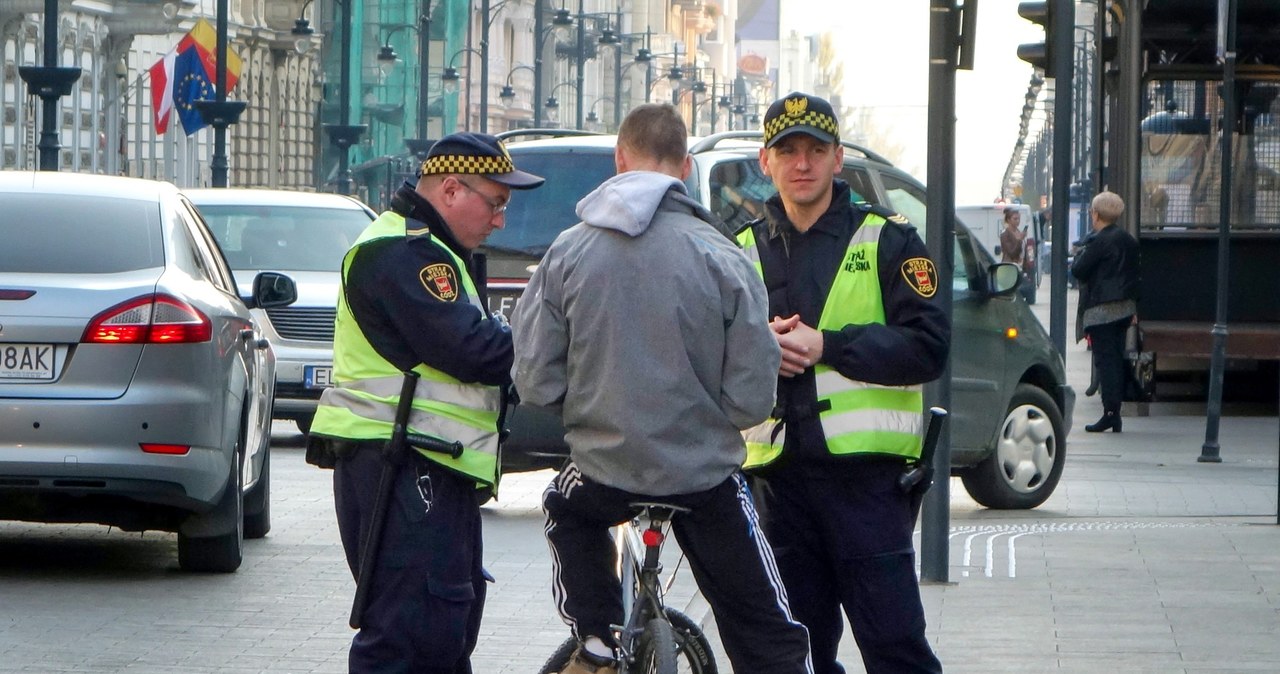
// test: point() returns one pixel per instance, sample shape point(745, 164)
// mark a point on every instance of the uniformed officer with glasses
point(409, 303)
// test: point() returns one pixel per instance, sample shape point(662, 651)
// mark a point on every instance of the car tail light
point(162, 448)
point(152, 319)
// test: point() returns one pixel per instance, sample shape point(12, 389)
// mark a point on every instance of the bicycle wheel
point(694, 655)
point(656, 649)
point(560, 658)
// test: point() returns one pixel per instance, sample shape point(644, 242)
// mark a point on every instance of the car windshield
point(290, 238)
point(535, 217)
point(78, 234)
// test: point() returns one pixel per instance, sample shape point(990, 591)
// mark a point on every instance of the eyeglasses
point(498, 205)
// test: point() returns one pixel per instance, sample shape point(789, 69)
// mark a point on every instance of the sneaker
point(584, 662)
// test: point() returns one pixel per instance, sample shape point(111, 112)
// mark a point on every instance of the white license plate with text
point(27, 361)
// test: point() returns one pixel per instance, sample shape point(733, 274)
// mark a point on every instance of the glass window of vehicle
point(738, 190)
point(289, 238)
point(860, 184)
point(79, 234)
point(905, 198)
point(535, 217)
point(208, 256)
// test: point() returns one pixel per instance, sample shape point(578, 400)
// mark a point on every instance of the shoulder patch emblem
point(921, 275)
point(440, 280)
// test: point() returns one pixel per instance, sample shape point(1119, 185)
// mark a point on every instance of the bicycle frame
point(640, 574)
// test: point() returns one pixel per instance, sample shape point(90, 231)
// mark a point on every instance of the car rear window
point(287, 238)
point(535, 217)
point(79, 234)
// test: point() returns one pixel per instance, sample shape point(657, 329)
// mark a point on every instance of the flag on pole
point(190, 84)
point(205, 38)
point(162, 91)
point(201, 43)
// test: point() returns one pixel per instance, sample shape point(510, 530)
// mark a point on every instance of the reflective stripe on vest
point(857, 417)
point(362, 403)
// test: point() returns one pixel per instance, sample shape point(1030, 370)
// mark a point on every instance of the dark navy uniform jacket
point(910, 348)
point(408, 325)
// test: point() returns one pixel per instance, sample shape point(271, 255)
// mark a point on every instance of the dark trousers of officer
point(1107, 341)
point(428, 588)
point(842, 537)
point(728, 554)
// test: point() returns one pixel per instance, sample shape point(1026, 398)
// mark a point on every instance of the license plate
point(317, 376)
point(26, 361)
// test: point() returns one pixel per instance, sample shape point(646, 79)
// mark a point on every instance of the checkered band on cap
point(813, 118)
point(466, 164)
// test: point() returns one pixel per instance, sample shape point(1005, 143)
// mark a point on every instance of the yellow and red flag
point(201, 40)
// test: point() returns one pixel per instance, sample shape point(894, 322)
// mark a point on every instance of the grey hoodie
point(648, 328)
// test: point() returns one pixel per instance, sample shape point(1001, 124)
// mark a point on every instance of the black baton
point(392, 455)
point(918, 476)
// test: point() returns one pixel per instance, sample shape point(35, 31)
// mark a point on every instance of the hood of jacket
point(627, 201)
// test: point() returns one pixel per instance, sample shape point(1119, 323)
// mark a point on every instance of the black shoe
point(1109, 421)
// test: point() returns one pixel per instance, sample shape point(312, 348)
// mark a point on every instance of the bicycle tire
point(695, 656)
point(656, 649)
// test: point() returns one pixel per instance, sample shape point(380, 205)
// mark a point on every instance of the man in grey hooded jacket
point(646, 326)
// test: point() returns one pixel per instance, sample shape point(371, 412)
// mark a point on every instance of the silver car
point(134, 383)
point(305, 235)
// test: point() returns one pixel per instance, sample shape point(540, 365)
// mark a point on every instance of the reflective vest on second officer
point(857, 417)
point(362, 403)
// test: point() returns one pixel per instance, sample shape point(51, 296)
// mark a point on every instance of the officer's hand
point(501, 319)
point(801, 349)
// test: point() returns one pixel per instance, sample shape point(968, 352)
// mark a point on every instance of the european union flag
point(190, 84)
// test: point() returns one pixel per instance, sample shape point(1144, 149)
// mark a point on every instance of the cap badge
point(796, 106)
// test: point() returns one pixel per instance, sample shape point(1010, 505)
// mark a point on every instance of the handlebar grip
point(453, 449)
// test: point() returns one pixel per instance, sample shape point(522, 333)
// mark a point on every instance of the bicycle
point(655, 639)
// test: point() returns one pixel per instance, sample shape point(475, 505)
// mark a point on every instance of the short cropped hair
point(655, 130)
point(1108, 206)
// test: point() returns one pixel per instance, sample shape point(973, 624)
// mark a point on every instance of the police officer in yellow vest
point(409, 302)
point(851, 290)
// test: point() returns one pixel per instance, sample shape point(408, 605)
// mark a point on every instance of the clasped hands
point(801, 344)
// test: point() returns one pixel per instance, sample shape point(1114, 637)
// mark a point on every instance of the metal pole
point(537, 62)
point(1209, 451)
point(582, 58)
point(49, 145)
point(617, 77)
point(218, 163)
point(943, 27)
point(1063, 25)
point(714, 102)
point(484, 66)
point(1099, 107)
point(424, 74)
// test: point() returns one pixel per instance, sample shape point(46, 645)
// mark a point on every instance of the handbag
point(1140, 385)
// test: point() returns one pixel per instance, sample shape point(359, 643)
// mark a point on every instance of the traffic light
point(1037, 53)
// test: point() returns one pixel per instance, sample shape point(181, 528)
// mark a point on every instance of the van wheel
point(223, 551)
point(1024, 468)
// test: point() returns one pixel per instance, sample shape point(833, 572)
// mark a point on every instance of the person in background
point(1107, 268)
point(409, 303)
point(1012, 237)
point(852, 292)
point(646, 326)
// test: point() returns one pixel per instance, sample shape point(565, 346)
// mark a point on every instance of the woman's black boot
point(1109, 421)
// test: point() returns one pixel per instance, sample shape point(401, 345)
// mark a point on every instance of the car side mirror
point(272, 289)
point(1003, 278)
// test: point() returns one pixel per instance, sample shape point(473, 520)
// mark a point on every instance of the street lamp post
point(344, 134)
point(220, 113)
point(508, 93)
point(50, 83)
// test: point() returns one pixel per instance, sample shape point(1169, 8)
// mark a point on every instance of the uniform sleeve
point(409, 298)
point(541, 338)
point(1087, 260)
point(912, 346)
point(752, 355)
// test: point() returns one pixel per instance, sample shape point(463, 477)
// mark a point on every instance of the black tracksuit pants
point(728, 554)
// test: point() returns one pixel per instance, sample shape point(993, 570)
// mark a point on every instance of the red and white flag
point(162, 90)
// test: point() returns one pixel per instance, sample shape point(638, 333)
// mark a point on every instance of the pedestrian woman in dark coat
point(1108, 273)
